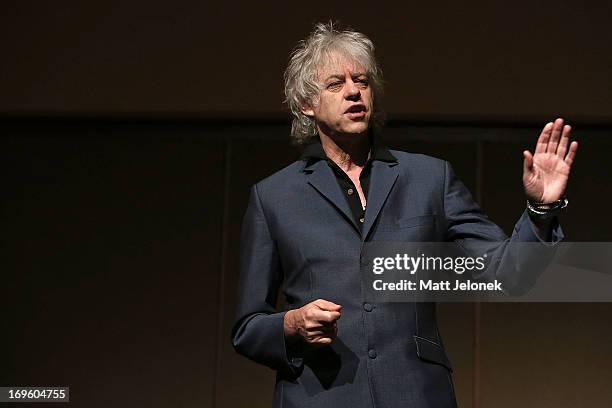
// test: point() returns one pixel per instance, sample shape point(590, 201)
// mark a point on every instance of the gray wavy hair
point(301, 82)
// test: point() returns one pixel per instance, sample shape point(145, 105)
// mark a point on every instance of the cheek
point(332, 109)
point(324, 106)
point(369, 97)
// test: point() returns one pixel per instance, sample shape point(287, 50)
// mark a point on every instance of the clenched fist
point(314, 322)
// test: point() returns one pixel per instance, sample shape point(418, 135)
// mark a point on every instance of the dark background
point(130, 133)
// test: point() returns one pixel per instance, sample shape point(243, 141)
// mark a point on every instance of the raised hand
point(314, 322)
point(545, 173)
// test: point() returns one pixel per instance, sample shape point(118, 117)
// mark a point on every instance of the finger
point(562, 149)
point(313, 338)
point(327, 305)
point(571, 155)
point(319, 325)
point(543, 139)
point(312, 325)
point(329, 331)
point(321, 340)
point(324, 316)
point(554, 137)
point(329, 326)
point(527, 162)
point(315, 317)
point(311, 334)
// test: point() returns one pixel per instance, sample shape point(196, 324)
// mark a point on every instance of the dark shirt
point(314, 151)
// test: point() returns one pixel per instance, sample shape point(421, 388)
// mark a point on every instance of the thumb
point(527, 162)
point(327, 305)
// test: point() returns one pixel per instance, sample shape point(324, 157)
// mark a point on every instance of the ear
point(307, 110)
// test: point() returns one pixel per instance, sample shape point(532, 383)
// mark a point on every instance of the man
point(306, 225)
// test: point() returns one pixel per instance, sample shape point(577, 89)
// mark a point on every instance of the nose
point(352, 92)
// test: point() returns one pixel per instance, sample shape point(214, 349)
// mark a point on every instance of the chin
point(359, 129)
point(355, 127)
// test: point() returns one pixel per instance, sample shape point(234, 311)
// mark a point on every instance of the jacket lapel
point(322, 178)
point(382, 180)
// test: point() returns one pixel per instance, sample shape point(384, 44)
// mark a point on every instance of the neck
point(347, 152)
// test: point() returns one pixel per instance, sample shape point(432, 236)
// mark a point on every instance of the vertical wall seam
point(225, 230)
point(477, 306)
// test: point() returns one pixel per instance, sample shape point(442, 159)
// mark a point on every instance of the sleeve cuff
point(525, 231)
point(293, 351)
point(262, 339)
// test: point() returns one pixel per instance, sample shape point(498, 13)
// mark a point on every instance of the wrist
point(542, 211)
point(289, 325)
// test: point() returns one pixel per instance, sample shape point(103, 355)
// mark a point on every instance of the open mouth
point(356, 111)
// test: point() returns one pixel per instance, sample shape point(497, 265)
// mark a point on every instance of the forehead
point(338, 64)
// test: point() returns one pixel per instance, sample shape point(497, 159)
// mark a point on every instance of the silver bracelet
point(547, 210)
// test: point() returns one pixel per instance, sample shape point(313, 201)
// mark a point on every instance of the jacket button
point(368, 307)
point(350, 191)
point(361, 220)
point(372, 353)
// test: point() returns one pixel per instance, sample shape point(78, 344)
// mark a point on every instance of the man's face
point(345, 101)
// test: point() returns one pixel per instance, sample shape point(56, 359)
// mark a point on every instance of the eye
point(362, 82)
point(335, 86)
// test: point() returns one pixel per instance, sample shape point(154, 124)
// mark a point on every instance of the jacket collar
point(313, 151)
point(383, 177)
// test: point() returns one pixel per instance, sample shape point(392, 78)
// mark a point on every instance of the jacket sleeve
point(517, 265)
point(258, 329)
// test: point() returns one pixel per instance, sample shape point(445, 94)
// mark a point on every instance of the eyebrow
point(341, 76)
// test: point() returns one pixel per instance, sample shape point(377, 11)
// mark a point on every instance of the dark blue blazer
point(299, 239)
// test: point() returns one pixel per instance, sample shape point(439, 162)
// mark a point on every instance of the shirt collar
point(314, 151)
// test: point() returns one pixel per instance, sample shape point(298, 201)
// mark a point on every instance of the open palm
point(545, 173)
